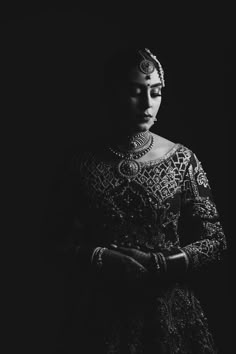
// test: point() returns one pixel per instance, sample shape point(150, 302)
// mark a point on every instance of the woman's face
point(140, 100)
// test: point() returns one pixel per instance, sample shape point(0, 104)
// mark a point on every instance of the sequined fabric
point(167, 205)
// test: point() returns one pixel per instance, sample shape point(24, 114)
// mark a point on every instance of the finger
point(143, 270)
point(137, 263)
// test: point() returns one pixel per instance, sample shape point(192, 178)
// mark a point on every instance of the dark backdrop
point(52, 98)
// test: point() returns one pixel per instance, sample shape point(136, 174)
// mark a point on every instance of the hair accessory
point(146, 66)
point(160, 71)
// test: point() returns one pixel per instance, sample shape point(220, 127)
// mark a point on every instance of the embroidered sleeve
point(207, 239)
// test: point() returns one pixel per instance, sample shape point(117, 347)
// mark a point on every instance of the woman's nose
point(147, 100)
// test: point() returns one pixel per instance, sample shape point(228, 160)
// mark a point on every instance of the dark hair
point(125, 59)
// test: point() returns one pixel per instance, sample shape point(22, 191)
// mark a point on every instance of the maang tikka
point(147, 67)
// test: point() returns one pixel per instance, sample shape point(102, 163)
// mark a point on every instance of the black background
point(52, 83)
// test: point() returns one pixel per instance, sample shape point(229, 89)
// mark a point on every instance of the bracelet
point(95, 251)
point(162, 261)
point(174, 261)
point(155, 261)
point(99, 256)
point(186, 259)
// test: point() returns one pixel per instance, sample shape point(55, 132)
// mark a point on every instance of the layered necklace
point(137, 146)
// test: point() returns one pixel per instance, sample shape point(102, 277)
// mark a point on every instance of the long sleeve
point(205, 240)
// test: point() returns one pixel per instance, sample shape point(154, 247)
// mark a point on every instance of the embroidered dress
point(167, 205)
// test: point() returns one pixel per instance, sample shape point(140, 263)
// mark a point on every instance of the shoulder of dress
point(184, 151)
point(194, 163)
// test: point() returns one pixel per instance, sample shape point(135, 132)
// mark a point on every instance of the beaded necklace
point(140, 145)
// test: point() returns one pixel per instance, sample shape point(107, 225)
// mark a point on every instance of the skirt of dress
point(113, 322)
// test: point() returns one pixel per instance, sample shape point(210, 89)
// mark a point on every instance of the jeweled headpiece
point(148, 66)
point(126, 59)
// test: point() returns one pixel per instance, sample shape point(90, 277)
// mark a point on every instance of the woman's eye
point(156, 93)
point(137, 91)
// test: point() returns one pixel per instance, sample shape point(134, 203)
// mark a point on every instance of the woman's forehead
point(136, 76)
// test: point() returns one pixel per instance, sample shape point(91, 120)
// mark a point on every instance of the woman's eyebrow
point(143, 85)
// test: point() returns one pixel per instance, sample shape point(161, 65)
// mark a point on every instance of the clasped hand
point(141, 257)
point(129, 263)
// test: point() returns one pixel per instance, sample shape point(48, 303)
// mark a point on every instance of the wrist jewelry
point(95, 251)
point(99, 256)
point(162, 260)
point(186, 259)
point(156, 261)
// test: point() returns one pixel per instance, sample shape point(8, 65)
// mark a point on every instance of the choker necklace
point(139, 140)
point(140, 145)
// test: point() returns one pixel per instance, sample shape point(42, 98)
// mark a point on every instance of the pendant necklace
point(139, 145)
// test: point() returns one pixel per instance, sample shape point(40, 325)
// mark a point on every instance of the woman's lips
point(145, 117)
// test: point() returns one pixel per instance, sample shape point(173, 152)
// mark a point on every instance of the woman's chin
point(143, 126)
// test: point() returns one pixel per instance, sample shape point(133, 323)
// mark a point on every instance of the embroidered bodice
point(153, 210)
point(167, 204)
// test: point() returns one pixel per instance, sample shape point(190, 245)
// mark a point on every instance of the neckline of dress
point(158, 160)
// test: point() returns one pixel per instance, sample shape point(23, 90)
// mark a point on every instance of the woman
point(136, 224)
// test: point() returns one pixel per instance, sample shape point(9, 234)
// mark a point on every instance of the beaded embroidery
point(146, 212)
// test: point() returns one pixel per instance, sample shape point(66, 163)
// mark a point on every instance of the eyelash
point(153, 94)
point(157, 94)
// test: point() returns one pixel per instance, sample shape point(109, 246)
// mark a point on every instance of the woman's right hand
point(117, 265)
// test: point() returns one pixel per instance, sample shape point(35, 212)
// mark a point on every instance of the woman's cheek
point(157, 105)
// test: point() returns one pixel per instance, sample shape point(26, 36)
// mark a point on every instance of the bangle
point(186, 259)
point(156, 261)
point(162, 261)
point(99, 256)
point(95, 251)
point(175, 261)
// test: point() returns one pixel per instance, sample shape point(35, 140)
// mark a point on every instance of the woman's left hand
point(140, 256)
